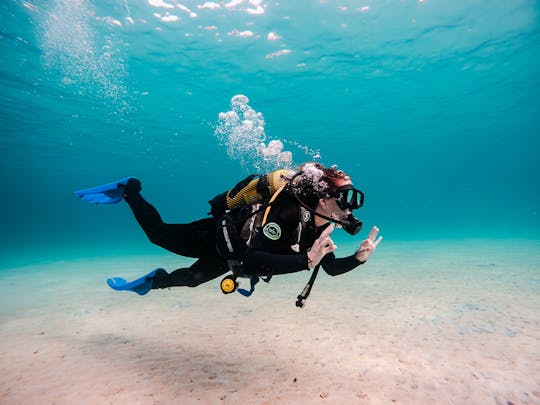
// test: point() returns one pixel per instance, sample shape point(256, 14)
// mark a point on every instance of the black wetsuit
point(279, 248)
point(283, 247)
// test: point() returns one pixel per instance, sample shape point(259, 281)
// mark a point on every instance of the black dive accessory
point(351, 225)
point(301, 299)
point(348, 198)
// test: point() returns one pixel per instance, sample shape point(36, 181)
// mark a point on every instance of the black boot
point(133, 186)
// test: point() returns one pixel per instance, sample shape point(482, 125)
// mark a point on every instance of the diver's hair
point(333, 177)
point(317, 181)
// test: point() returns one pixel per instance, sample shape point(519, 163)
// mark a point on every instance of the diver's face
point(333, 210)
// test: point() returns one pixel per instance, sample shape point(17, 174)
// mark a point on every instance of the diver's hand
point(321, 247)
point(368, 246)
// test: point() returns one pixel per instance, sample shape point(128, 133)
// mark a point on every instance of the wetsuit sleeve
point(261, 263)
point(334, 266)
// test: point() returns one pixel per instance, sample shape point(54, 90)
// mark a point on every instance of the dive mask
point(348, 197)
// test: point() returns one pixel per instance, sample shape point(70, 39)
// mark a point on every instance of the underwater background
point(431, 106)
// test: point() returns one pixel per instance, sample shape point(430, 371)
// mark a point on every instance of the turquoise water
point(431, 106)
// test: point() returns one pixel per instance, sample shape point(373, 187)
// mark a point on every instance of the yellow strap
point(267, 211)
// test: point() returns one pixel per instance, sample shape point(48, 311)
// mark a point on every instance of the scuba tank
point(251, 190)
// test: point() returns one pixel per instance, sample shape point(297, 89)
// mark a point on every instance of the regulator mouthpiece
point(351, 225)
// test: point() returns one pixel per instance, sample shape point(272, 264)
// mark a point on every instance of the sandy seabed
point(420, 323)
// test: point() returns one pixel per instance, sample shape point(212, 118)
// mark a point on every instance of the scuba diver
point(271, 224)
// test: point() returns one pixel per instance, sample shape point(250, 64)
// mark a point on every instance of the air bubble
point(241, 132)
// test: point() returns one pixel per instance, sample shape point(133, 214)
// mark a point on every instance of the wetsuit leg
point(203, 270)
point(196, 239)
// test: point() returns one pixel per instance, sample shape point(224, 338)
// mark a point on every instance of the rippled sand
point(421, 322)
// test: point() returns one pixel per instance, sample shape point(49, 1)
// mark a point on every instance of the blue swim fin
point(140, 286)
point(110, 193)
